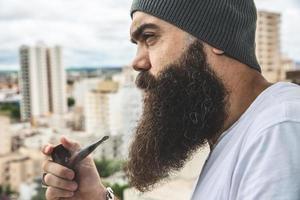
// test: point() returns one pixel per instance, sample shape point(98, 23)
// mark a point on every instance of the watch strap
point(109, 194)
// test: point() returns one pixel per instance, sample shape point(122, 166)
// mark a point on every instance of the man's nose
point(141, 61)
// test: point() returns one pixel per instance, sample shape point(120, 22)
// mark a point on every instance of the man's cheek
point(159, 61)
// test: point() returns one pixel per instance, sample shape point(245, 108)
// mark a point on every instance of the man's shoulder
point(281, 104)
point(284, 93)
point(277, 106)
point(276, 120)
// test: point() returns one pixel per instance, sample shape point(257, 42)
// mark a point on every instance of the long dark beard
point(183, 108)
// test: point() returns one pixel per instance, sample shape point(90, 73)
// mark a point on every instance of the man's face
point(184, 103)
point(158, 43)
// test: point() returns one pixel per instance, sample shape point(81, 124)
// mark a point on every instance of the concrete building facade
point(129, 107)
point(16, 167)
point(42, 82)
point(5, 136)
point(268, 44)
point(97, 107)
point(20, 167)
point(57, 81)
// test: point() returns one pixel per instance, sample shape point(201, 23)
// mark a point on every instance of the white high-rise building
point(98, 107)
point(42, 82)
point(268, 44)
point(57, 81)
point(113, 108)
point(34, 82)
point(129, 107)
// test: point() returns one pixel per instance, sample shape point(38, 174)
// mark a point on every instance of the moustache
point(145, 81)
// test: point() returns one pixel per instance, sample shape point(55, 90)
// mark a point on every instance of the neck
point(243, 90)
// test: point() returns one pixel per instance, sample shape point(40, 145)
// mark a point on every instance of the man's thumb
point(70, 144)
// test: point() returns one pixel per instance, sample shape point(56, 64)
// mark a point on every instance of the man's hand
point(82, 184)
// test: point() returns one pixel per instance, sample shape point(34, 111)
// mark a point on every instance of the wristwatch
point(109, 194)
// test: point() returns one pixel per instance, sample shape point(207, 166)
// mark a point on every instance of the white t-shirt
point(258, 157)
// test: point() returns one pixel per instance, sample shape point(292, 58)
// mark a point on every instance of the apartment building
point(42, 82)
point(268, 44)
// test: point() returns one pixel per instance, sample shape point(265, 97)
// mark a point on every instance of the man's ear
point(217, 51)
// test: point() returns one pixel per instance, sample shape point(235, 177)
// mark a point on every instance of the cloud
point(96, 32)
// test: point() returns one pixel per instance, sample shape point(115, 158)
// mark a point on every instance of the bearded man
point(202, 84)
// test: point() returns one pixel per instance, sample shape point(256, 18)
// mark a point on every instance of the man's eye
point(148, 38)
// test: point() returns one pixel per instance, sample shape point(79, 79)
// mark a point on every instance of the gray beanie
point(228, 25)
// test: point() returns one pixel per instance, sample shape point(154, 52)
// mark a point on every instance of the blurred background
point(65, 70)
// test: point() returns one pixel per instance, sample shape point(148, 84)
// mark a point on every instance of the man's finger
point(60, 183)
point(69, 144)
point(47, 149)
point(53, 193)
point(58, 170)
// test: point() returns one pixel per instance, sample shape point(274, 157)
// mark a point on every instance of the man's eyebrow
point(135, 35)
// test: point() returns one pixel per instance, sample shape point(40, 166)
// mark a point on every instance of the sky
point(96, 32)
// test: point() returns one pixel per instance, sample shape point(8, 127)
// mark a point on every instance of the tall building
point(129, 107)
point(5, 136)
point(268, 44)
point(111, 106)
point(33, 82)
point(98, 107)
point(56, 81)
point(42, 82)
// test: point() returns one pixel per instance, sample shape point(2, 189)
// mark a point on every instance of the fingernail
point(74, 186)
point(65, 139)
point(71, 175)
point(47, 149)
point(71, 194)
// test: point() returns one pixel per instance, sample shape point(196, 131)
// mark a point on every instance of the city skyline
point(98, 35)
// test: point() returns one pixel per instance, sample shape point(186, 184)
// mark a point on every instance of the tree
point(108, 167)
point(11, 109)
point(40, 195)
point(71, 101)
point(6, 192)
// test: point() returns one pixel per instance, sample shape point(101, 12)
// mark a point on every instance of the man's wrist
point(106, 194)
point(100, 194)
